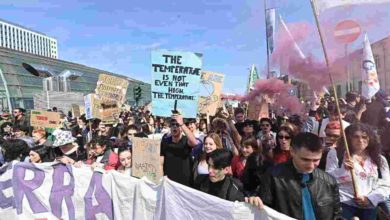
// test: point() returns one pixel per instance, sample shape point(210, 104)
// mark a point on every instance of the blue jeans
point(363, 214)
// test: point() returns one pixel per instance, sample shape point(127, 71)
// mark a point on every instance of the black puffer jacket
point(281, 189)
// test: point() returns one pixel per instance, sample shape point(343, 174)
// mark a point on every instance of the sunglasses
point(335, 136)
point(175, 125)
point(285, 137)
point(265, 125)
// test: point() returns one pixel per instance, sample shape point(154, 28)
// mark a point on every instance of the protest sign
point(82, 110)
point(45, 119)
point(76, 110)
point(58, 191)
point(92, 106)
point(110, 88)
point(109, 113)
point(258, 109)
point(175, 77)
point(146, 159)
point(210, 98)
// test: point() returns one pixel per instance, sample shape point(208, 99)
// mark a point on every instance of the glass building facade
point(22, 85)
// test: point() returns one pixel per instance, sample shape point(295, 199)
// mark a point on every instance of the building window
point(377, 61)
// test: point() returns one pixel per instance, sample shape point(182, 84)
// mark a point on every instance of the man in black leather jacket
point(297, 188)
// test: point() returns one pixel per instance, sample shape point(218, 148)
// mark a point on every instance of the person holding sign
point(175, 154)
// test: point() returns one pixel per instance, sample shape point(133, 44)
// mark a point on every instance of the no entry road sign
point(347, 31)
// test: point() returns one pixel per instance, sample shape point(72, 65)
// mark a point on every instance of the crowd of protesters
point(294, 164)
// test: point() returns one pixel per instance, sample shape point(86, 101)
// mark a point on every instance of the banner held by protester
point(175, 76)
point(38, 191)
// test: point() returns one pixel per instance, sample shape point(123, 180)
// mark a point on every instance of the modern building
point(19, 38)
point(23, 74)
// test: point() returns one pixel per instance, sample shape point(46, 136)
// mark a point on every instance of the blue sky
point(118, 36)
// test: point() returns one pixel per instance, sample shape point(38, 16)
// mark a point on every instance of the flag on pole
point(253, 77)
point(370, 81)
point(323, 5)
point(285, 30)
point(270, 29)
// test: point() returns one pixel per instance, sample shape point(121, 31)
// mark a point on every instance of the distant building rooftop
point(20, 26)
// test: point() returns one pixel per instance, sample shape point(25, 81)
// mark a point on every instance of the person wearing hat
point(66, 149)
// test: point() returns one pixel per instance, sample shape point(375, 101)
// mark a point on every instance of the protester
point(15, 149)
point(248, 147)
point(248, 129)
point(375, 112)
point(297, 188)
point(239, 116)
point(369, 167)
point(66, 150)
point(40, 154)
point(211, 142)
point(176, 151)
point(20, 117)
point(81, 130)
point(39, 137)
point(317, 125)
point(6, 131)
point(255, 167)
point(4, 118)
point(333, 134)
point(125, 160)
point(284, 137)
point(218, 182)
point(101, 154)
point(200, 136)
point(22, 132)
point(265, 135)
point(221, 127)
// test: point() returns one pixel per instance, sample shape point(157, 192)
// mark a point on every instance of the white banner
point(323, 5)
point(56, 191)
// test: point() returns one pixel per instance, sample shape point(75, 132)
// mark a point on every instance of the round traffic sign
point(347, 31)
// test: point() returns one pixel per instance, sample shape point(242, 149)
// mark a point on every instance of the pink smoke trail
point(278, 91)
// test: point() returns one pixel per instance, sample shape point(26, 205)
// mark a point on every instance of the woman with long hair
point(369, 167)
point(40, 154)
point(248, 146)
point(211, 142)
point(284, 137)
